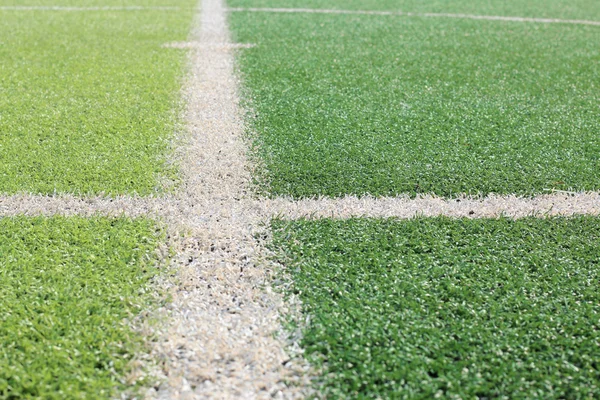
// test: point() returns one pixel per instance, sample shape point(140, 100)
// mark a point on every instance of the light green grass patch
point(350, 104)
point(451, 308)
point(182, 4)
point(89, 100)
point(67, 286)
point(565, 9)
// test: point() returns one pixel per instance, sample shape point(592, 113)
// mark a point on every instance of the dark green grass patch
point(387, 105)
point(452, 308)
point(66, 287)
point(566, 9)
point(89, 100)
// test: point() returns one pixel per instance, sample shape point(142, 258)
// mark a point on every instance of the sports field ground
point(89, 104)
point(448, 308)
point(69, 292)
point(429, 102)
point(384, 105)
point(89, 99)
point(191, 194)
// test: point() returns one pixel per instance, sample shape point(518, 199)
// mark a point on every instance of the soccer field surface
point(384, 105)
point(577, 9)
point(228, 199)
point(451, 308)
point(343, 102)
point(70, 289)
point(89, 100)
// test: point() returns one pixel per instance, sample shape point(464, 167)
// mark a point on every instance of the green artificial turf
point(89, 99)
point(357, 104)
point(565, 9)
point(66, 287)
point(181, 4)
point(460, 309)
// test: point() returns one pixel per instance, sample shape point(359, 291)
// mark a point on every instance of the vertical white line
point(220, 340)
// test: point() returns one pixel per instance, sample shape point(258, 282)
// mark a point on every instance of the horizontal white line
point(555, 204)
point(493, 206)
point(414, 14)
point(215, 46)
point(69, 205)
point(92, 8)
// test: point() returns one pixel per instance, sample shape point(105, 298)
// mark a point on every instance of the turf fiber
point(446, 308)
point(573, 9)
point(383, 105)
point(180, 4)
point(89, 100)
point(67, 286)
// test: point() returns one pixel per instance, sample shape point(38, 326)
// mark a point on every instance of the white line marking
point(556, 204)
point(414, 14)
point(221, 341)
point(93, 8)
point(175, 208)
point(70, 205)
point(217, 46)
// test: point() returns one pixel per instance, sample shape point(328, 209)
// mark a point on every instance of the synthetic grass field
point(350, 104)
point(383, 105)
point(576, 9)
point(88, 100)
point(449, 308)
point(337, 105)
point(67, 288)
point(185, 5)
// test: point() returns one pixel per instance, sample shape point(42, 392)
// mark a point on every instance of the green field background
point(574, 9)
point(436, 307)
point(89, 100)
point(384, 105)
